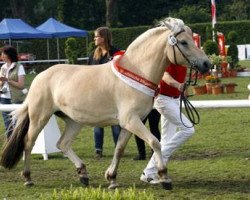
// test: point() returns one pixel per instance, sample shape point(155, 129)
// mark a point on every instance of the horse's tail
point(14, 146)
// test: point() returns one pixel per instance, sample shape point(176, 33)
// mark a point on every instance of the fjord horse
point(119, 92)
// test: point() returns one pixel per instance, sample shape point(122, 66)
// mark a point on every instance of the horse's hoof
point(113, 186)
point(167, 185)
point(28, 183)
point(84, 181)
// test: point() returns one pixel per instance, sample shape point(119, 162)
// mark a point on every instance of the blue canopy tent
point(18, 29)
point(60, 30)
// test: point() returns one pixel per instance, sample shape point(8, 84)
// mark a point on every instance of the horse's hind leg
point(71, 130)
point(33, 132)
point(111, 172)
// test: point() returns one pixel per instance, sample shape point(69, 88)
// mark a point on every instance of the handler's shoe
point(147, 179)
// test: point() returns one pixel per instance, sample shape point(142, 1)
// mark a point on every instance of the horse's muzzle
point(205, 67)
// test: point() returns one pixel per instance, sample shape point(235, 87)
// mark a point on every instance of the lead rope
point(191, 111)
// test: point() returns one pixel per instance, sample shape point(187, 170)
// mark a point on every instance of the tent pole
point(87, 46)
point(48, 48)
point(17, 47)
point(58, 53)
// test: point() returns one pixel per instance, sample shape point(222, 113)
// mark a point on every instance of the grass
point(245, 63)
point(213, 164)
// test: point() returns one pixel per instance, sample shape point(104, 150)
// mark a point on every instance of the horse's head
point(181, 48)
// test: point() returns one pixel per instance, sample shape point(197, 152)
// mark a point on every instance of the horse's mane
point(176, 26)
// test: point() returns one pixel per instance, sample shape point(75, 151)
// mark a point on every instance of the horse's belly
point(92, 115)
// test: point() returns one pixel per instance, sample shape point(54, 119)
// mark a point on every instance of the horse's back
point(76, 89)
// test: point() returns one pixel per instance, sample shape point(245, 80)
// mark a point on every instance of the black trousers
point(153, 120)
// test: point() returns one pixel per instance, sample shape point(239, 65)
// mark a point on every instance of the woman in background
point(12, 77)
point(103, 53)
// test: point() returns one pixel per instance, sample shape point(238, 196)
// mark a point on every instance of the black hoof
point(167, 185)
point(84, 181)
point(28, 184)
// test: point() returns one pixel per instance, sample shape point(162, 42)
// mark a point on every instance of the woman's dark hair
point(11, 52)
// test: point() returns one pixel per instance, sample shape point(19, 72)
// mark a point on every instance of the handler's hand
point(181, 87)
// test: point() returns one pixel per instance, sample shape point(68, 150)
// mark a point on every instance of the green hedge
point(122, 37)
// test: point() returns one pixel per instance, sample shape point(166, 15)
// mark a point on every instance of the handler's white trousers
point(173, 132)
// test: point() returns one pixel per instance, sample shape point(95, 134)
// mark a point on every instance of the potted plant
point(233, 52)
point(217, 89)
point(211, 81)
point(199, 89)
point(230, 87)
point(215, 59)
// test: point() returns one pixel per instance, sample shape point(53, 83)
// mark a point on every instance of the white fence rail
point(221, 103)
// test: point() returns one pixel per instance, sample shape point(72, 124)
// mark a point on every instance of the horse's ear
point(168, 25)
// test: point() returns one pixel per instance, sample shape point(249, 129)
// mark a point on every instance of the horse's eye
point(183, 43)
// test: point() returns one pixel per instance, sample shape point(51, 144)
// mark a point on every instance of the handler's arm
point(167, 78)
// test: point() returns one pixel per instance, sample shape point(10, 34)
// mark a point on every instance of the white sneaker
point(147, 179)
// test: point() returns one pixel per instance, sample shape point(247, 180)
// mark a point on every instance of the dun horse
point(118, 92)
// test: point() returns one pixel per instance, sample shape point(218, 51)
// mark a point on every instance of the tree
point(18, 8)
point(192, 14)
point(233, 49)
point(111, 12)
point(210, 47)
point(237, 10)
point(5, 9)
point(71, 50)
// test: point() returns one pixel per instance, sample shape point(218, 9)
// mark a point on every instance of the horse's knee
point(29, 143)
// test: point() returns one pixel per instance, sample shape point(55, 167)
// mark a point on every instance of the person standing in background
point(153, 120)
point(12, 77)
point(103, 53)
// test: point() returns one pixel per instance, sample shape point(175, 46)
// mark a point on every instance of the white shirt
point(20, 72)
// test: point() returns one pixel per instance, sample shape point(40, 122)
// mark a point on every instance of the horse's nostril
point(207, 65)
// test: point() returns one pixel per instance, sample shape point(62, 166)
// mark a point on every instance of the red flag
point(213, 9)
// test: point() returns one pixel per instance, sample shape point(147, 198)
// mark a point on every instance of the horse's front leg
point(111, 172)
point(136, 126)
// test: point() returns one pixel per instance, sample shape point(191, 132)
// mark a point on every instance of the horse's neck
point(148, 58)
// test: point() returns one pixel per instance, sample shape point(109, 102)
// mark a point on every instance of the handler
point(168, 105)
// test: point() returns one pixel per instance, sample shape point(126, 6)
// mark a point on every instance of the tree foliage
point(88, 15)
point(210, 47)
point(192, 14)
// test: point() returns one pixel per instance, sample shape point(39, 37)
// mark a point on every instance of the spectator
point(153, 120)
point(12, 77)
point(103, 53)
